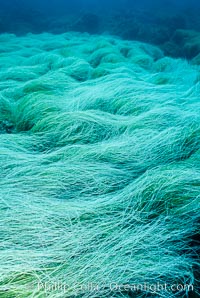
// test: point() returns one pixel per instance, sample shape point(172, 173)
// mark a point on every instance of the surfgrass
point(100, 167)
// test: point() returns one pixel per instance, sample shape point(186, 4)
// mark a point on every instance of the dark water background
point(154, 21)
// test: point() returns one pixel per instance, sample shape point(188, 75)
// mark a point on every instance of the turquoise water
point(100, 165)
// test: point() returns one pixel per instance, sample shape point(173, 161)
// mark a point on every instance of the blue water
point(21, 15)
point(151, 21)
point(99, 148)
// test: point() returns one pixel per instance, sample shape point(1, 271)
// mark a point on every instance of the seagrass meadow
point(100, 167)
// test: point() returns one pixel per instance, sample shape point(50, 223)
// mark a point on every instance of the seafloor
point(100, 167)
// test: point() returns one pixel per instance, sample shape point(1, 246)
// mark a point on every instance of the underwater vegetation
point(100, 167)
point(157, 22)
point(185, 43)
